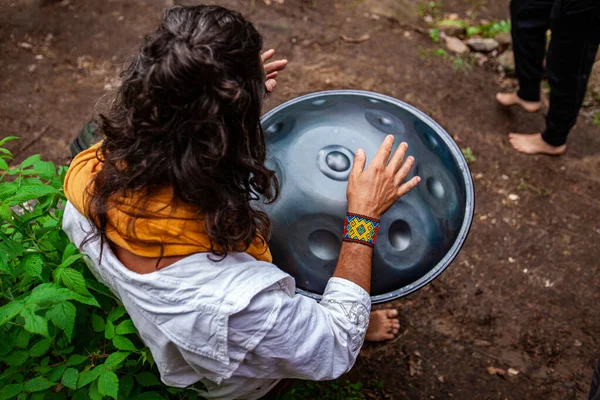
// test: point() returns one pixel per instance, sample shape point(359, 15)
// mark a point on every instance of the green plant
point(63, 335)
point(596, 118)
point(431, 8)
point(434, 34)
point(489, 30)
point(468, 154)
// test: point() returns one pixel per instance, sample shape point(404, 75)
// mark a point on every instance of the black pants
point(595, 389)
point(575, 27)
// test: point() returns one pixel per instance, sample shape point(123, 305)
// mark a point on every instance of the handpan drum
point(311, 143)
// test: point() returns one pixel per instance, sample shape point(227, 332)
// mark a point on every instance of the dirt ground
point(523, 294)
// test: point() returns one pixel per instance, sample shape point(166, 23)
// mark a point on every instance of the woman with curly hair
point(163, 207)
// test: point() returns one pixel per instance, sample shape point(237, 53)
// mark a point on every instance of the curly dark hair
point(187, 115)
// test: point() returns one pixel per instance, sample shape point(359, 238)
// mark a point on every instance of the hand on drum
point(372, 191)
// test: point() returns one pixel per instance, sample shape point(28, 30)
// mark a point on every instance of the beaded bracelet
point(361, 229)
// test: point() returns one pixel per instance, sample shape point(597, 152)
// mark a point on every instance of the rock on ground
point(507, 61)
point(504, 39)
point(399, 10)
point(455, 45)
point(482, 45)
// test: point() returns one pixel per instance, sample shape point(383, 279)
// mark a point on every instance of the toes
point(388, 336)
point(395, 324)
point(395, 331)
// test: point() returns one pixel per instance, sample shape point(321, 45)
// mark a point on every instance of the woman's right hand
point(373, 191)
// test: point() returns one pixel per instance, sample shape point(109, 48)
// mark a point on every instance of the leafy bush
point(63, 335)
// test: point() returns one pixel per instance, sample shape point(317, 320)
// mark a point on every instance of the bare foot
point(510, 99)
point(383, 325)
point(534, 144)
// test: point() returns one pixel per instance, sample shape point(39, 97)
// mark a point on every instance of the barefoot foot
point(383, 325)
point(510, 99)
point(534, 144)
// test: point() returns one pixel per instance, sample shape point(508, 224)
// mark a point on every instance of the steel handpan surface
point(311, 142)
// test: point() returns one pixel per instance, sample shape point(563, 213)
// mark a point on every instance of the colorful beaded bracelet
point(361, 229)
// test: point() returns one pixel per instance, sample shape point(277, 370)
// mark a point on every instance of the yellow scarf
point(163, 220)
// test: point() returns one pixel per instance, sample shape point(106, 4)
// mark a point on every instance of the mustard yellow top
point(159, 220)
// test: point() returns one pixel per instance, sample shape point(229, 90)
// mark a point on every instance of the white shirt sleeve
point(308, 340)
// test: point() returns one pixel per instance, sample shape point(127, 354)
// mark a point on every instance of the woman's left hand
point(272, 69)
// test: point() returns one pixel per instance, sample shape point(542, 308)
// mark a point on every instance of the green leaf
point(98, 324)
point(76, 359)
point(29, 161)
point(17, 357)
point(34, 264)
point(108, 384)
point(69, 378)
point(10, 391)
point(126, 327)
point(43, 169)
point(109, 332)
point(48, 294)
point(22, 340)
point(38, 384)
point(22, 396)
point(89, 299)
point(40, 348)
point(122, 343)
point(3, 164)
point(69, 251)
point(63, 316)
point(56, 373)
point(70, 260)
point(10, 310)
point(116, 313)
point(86, 377)
point(10, 249)
point(125, 386)
point(33, 322)
point(73, 280)
point(115, 359)
point(31, 192)
point(8, 139)
point(93, 393)
point(147, 379)
point(7, 189)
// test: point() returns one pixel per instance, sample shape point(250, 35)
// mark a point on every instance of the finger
point(272, 75)
point(360, 159)
point(396, 161)
point(384, 151)
point(270, 84)
point(404, 170)
point(266, 56)
point(408, 186)
point(396, 325)
point(278, 65)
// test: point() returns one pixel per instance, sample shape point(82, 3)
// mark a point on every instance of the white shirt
point(235, 325)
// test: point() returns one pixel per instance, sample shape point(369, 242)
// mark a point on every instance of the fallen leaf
point(513, 372)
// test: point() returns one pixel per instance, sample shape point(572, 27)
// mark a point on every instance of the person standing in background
point(575, 27)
